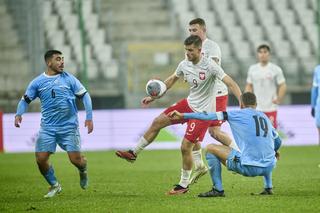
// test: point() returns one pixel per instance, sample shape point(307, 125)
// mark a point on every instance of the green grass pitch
point(119, 186)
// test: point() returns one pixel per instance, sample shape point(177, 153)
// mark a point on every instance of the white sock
point(141, 145)
point(197, 159)
point(185, 176)
point(233, 145)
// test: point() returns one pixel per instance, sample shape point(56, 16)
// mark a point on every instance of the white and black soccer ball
point(155, 88)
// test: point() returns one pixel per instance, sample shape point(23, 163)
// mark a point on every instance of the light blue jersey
point(254, 135)
point(252, 131)
point(57, 95)
point(315, 91)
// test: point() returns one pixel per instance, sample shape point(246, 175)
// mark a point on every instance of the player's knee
point(214, 133)
point(158, 123)
point(41, 160)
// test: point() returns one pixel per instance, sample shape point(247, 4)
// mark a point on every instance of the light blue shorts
point(234, 164)
point(67, 138)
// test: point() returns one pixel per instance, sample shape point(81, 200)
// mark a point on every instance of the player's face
point(196, 29)
point(263, 55)
point(193, 53)
point(56, 63)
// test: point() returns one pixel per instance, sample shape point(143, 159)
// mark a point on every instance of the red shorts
point(221, 105)
point(196, 129)
point(273, 118)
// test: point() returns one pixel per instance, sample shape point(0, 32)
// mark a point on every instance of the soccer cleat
point(198, 173)
point(267, 191)
point(212, 193)
point(127, 155)
point(53, 190)
point(178, 190)
point(84, 183)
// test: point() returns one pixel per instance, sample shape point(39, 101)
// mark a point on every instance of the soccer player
point(211, 50)
point(267, 82)
point(57, 91)
point(256, 138)
point(315, 99)
point(200, 73)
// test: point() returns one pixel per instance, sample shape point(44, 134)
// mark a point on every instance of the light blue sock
point(215, 171)
point(268, 180)
point(50, 177)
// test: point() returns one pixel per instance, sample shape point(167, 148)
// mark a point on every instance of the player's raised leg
point(158, 123)
point(47, 171)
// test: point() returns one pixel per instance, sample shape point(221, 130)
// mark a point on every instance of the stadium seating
point(63, 32)
point(288, 26)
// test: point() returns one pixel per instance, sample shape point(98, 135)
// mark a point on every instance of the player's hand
point(175, 115)
point(17, 121)
point(276, 101)
point(312, 111)
point(278, 155)
point(89, 125)
point(146, 101)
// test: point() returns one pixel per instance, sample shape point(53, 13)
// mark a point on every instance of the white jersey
point(211, 49)
point(201, 79)
point(265, 80)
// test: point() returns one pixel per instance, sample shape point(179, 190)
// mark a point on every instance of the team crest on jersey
point(202, 75)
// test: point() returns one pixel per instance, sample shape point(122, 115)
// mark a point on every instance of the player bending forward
point(256, 138)
point(57, 91)
point(200, 73)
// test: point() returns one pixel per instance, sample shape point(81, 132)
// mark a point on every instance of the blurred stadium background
point(115, 46)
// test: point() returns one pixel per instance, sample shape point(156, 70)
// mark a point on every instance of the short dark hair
point(193, 39)
point(199, 21)
point(48, 55)
point(263, 46)
point(248, 99)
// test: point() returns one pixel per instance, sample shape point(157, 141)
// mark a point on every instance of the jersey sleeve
point(179, 71)
point(249, 76)
point(31, 92)
point(77, 88)
point(280, 77)
point(214, 52)
point(217, 70)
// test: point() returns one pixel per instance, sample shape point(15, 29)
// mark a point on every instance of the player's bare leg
point(187, 163)
point(200, 168)
point(81, 163)
point(222, 137)
point(47, 171)
point(158, 123)
point(222, 152)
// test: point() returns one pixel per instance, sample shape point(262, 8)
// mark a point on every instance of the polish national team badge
point(202, 75)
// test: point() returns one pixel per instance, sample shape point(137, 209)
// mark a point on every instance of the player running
point(57, 91)
point(256, 138)
point(267, 82)
point(200, 73)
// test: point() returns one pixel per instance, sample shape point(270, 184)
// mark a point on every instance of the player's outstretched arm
point(86, 100)
point(204, 116)
point(233, 86)
point(22, 108)
point(170, 81)
point(282, 88)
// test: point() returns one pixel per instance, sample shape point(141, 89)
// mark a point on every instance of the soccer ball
point(155, 88)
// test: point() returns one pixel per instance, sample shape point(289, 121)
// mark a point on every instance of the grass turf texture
point(119, 186)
